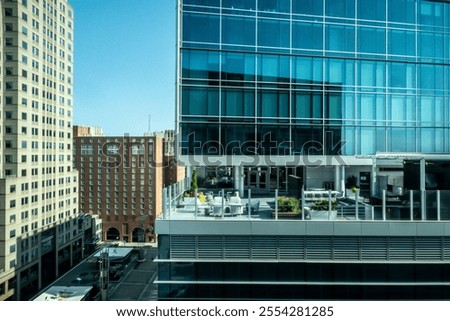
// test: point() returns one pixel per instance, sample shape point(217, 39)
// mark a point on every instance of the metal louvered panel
point(374, 248)
point(292, 248)
point(346, 248)
point(429, 248)
point(237, 247)
point(210, 247)
point(446, 248)
point(401, 248)
point(182, 247)
point(264, 247)
point(318, 248)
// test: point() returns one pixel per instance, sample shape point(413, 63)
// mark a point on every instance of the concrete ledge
point(292, 227)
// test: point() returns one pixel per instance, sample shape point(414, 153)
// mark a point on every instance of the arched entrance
point(138, 235)
point(112, 234)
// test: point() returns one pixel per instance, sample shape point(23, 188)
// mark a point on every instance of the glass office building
point(362, 81)
point(358, 79)
point(295, 77)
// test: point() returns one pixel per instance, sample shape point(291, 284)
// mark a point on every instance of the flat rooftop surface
point(265, 212)
point(64, 293)
point(114, 252)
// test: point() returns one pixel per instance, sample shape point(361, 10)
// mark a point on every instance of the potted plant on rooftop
point(189, 195)
point(351, 186)
point(320, 210)
point(288, 206)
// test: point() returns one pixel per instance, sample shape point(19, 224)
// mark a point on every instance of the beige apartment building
point(40, 232)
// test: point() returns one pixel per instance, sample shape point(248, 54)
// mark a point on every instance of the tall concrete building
point(39, 232)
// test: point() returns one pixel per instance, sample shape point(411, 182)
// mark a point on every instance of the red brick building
point(121, 179)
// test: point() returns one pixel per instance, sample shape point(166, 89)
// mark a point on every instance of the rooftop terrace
point(409, 206)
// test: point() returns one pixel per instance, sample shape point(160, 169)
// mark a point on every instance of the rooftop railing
point(312, 205)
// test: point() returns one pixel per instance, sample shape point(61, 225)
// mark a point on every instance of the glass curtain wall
point(287, 74)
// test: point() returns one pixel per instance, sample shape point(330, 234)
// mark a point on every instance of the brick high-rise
point(121, 179)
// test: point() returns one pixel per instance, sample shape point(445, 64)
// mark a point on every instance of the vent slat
point(429, 249)
point(374, 248)
point(182, 247)
point(346, 248)
point(319, 248)
point(210, 247)
point(401, 248)
point(264, 248)
point(304, 248)
point(292, 248)
point(237, 247)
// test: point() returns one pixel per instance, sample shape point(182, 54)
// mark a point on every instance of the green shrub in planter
point(322, 205)
point(288, 204)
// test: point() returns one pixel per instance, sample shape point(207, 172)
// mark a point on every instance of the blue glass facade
point(264, 73)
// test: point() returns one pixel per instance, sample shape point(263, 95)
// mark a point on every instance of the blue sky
point(124, 64)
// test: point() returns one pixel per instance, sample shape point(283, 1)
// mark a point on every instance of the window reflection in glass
point(200, 28)
point(238, 30)
point(239, 4)
point(309, 7)
point(279, 6)
point(273, 33)
point(340, 38)
point(342, 8)
point(307, 35)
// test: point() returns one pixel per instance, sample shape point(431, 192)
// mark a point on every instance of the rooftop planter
point(320, 210)
point(351, 185)
point(288, 207)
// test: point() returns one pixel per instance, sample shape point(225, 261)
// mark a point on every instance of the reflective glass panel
point(309, 7)
point(272, 103)
point(238, 30)
point(307, 70)
point(273, 68)
point(273, 33)
point(402, 42)
point(340, 38)
point(200, 64)
point(239, 4)
point(238, 66)
point(200, 101)
point(371, 40)
point(200, 28)
point(402, 11)
point(341, 8)
point(212, 3)
point(238, 102)
point(282, 6)
point(307, 35)
point(371, 10)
